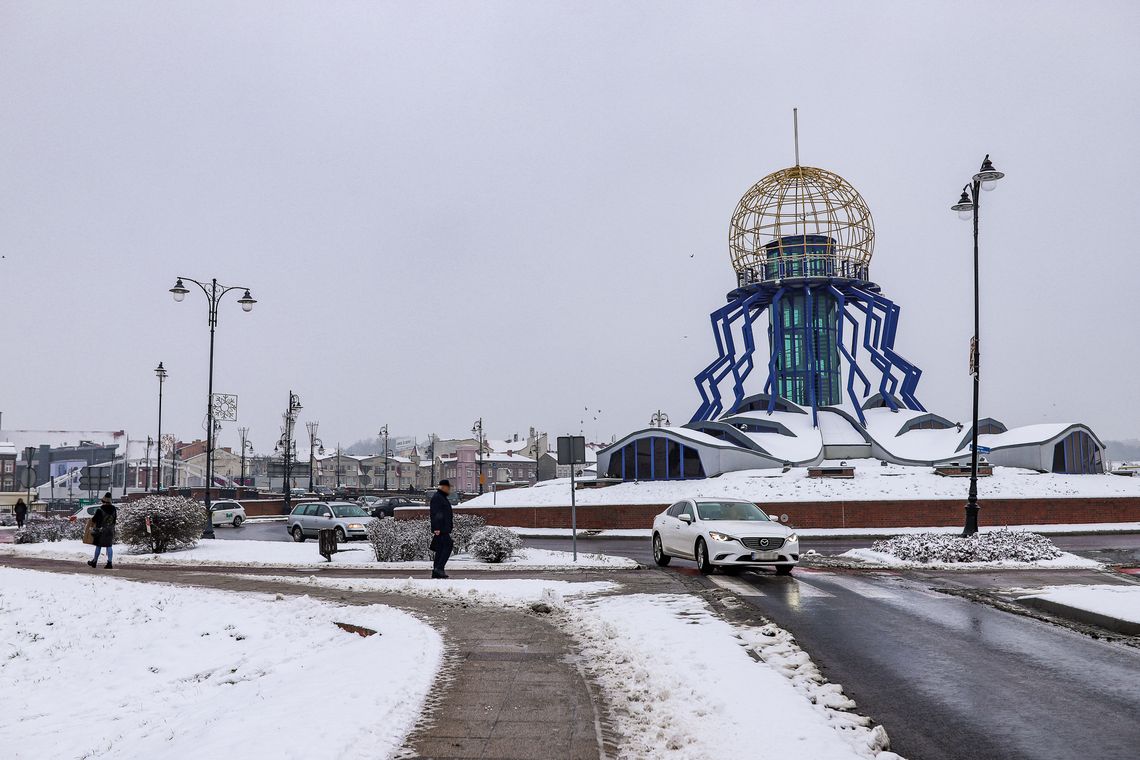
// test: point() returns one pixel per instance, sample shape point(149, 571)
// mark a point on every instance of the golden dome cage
point(801, 222)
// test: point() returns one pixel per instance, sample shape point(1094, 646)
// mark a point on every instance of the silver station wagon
point(347, 519)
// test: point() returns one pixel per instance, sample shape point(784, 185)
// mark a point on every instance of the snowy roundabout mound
point(998, 548)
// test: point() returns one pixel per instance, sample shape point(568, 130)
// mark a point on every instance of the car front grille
point(763, 544)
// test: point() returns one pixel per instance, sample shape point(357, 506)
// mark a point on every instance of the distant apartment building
point(8, 454)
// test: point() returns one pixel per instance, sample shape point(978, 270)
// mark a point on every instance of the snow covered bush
point(175, 522)
point(400, 540)
point(463, 528)
point(494, 544)
point(996, 546)
point(40, 528)
point(7, 520)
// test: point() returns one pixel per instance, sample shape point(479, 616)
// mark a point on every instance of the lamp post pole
point(287, 444)
point(160, 373)
point(214, 293)
point(312, 426)
point(384, 435)
point(243, 434)
point(967, 208)
point(477, 430)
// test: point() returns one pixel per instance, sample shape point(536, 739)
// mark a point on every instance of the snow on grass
point(872, 482)
point(1001, 548)
point(238, 553)
point(681, 682)
point(111, 669)
point(1121, 602)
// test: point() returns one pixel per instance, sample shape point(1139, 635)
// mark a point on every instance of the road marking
point(736, 586)
point(809, 591)
point(862, 588)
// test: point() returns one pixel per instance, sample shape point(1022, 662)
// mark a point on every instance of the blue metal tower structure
point(822, 306)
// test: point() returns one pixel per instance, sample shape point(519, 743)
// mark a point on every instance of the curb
point(1076, 614)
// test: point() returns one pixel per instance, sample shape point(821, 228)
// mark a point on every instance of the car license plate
point(765, 556)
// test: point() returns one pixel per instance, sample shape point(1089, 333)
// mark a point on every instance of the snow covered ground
point(1122, 602)
point(288, 554)
point(683, 682)
point(115, 670)
point(1066, 561)
point(872, 481)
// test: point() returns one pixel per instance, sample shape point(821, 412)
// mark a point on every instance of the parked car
point(386, 507)
point(323, 492)
point(227, 512)
point(347, 519)
point(725, 533)
point(295, 492)
point(368, 502)
point(84, 513)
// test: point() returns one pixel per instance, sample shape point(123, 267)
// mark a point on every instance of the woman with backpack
point(103, 530)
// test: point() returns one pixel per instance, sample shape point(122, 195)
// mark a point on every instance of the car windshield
point(730, 510)
point(348, 511)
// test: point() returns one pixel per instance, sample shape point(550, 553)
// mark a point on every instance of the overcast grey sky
point(519, 210)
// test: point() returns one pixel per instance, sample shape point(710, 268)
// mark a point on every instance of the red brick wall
point(829, 514)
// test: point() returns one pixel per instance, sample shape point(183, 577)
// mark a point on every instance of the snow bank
point(682, 683)
point(999, 548)
point(1128, 527)
point(119, 670)
point(1122, 602)
point(238, 553)
point(872, 482)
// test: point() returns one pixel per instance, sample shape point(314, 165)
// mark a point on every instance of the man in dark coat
point(104, 530)
point(441, 524)
point(21, 513)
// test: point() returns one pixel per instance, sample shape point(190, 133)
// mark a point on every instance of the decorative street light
point(160, 373)
point(967, 208)
point(214, 294)
point(312, 426)
point(659, 419)
point(477, 431)
point(243, 435)
point(286, 445)
point(384, 434)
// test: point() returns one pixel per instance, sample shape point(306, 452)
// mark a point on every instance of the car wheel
point(784, 569)
point(298, 534)
point(659, 555)
point(238, 521)
point(702, 555)
point(340, 536)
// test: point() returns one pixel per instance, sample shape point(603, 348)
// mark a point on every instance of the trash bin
point(326, 543)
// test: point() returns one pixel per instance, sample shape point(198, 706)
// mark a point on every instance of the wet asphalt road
point(949, 678)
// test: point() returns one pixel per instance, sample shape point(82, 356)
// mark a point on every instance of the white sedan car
point(227, 512)
point(724, 533)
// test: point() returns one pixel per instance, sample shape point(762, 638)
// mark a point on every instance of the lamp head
point(179, 290)
point(964, 206)
point(160, 372)
point(988, 175)
point(247, 301)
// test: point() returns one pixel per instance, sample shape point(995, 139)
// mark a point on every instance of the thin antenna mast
point(796, 130)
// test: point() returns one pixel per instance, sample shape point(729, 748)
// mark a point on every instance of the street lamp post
point(214, 293)
point(243, 434)
point(312, 426)
point(967, 208)
point(286, 444)
point(477, 431)
point(160, 373)
point(384, 435)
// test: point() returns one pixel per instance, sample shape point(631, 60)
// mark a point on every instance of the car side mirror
point(774, 518)
point(686, 518)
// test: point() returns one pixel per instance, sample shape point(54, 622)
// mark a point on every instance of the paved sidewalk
point(512, 688)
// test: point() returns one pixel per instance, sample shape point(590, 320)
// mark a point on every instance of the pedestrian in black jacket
point(441, 524)
point(104, 530)
point(21, 513)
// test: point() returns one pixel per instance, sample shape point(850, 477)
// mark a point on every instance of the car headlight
point(355, 526)
point(792, 539)
point(715, 536)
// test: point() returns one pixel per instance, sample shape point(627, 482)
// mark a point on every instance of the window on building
point(1077, 454)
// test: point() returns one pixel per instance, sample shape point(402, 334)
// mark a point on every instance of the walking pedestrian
point(104, 530)
point(441, 524)
point(21, 513)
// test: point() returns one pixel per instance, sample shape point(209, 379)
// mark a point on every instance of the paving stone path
point(511, 688)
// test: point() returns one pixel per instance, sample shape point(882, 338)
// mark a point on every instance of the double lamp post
point(967, 208)
point(214, 294)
